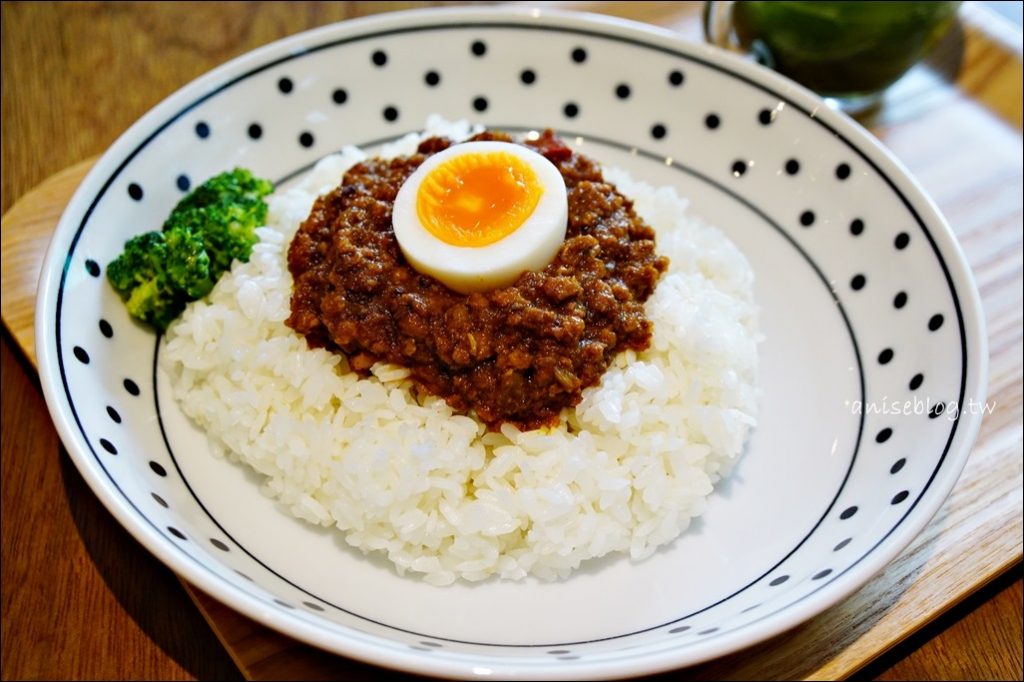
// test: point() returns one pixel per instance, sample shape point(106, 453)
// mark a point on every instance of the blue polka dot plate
point(873, 363)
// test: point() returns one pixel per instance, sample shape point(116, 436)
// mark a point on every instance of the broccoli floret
point(159, 273)
point(228, 229)
point(239, 184)
point(188, 266)
point(225, 210)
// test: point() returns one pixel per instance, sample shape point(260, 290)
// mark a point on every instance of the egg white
point(467, 269)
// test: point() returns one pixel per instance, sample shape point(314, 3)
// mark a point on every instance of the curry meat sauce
point(517, 354)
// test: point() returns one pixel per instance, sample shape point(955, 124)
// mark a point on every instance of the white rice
point(626, 471)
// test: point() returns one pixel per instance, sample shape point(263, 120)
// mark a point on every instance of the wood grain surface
point(82, 600)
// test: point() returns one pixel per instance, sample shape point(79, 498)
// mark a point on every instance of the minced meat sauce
point(518, 354)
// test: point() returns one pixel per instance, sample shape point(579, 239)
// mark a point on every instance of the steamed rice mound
point(626, 470)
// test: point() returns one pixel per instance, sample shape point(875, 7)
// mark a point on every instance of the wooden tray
point(975, 176)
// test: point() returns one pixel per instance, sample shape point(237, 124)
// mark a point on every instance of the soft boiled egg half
point(479, 214)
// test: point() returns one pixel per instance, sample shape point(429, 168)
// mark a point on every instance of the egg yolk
point(477, 199)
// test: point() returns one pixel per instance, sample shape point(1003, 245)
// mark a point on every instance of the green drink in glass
point(850, 51)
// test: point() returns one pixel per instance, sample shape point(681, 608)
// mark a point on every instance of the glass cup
point(847, 52)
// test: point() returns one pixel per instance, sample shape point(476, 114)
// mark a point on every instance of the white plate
point(873, 327)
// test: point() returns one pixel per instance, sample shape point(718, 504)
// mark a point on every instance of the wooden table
point(82, 600)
